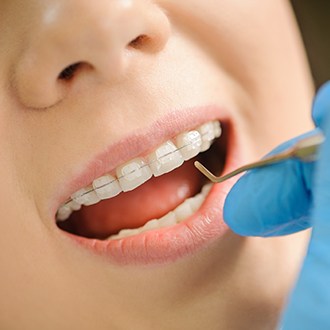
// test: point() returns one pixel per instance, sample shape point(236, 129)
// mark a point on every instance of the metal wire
point(141, 167)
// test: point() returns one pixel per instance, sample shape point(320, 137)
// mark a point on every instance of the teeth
point(74, 206)
point(217, 129)
point(167, 220)
point(206, 189)
point(65, 210)
point(164, 159)
point(152, 224)
point(182, 212)
point(133, 174)
point(91, 198)
point(125, 233)
point(106, 187)
point(189, 144)
point(86, 196)
point(79, 196)
point(63, 213)
point(196, 202)
point(208, 135)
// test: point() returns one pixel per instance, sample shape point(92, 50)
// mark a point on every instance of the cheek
point(239, 35)
point(258, 48)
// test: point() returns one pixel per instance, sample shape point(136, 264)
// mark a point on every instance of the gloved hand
point(286, 198)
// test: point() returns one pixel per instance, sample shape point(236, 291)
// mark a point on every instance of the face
point(104, 96)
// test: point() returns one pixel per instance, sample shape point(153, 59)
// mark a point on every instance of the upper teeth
point(134, 173)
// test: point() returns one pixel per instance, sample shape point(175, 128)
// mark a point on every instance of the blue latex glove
point(286, 198)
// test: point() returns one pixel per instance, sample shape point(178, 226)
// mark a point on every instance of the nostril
point(69, 71)
point(139, 41)
point(69, 53)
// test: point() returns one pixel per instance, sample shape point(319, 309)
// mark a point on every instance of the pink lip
point(166, 244)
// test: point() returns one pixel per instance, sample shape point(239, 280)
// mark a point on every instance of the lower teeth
point(182, 212)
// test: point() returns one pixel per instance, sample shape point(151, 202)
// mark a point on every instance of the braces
point(148, 164)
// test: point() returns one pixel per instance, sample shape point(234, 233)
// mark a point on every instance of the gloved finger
point(321, 105)
point(274, 200)
point(310, 303)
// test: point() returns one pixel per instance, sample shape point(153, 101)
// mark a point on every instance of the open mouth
point(160, 190)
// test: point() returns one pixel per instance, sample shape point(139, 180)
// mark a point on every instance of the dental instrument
point(305, 149)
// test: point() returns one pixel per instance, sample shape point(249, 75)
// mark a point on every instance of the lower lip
point(167, 245)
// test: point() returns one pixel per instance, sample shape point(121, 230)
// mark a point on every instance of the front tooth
point(165, 159)
point(106, 187)
point(133, 174)
point(207, 133)
point(189, 144)
point(85, 196)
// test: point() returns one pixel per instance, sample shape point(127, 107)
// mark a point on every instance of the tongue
point(133, 209)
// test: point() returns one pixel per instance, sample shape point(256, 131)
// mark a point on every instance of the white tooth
point(189, 144)
point(207, 133)
point(63, 213)
point(183, 211)
point(80, 196)
point(167, 220)
point(196, 202)
point(74, 206)
point(127, 233)
point(206, 189)
point(85, 196)
point(117, 236)
point(165, 159)
point(92, 198)
point(152, 224)
point(133, 174)
point(217, 129)
point(113, 237)
point(106, 187)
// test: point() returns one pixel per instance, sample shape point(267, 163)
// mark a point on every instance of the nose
point(75, 39)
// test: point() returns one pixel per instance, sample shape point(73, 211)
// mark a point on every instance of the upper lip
point(137, 143)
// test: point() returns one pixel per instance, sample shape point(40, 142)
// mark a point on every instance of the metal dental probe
point(305, 149)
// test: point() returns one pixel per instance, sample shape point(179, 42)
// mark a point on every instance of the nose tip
point(100, 38)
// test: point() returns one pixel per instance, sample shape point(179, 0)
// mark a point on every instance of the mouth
point(156, 207)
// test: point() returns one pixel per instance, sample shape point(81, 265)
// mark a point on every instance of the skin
point(246, 55)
